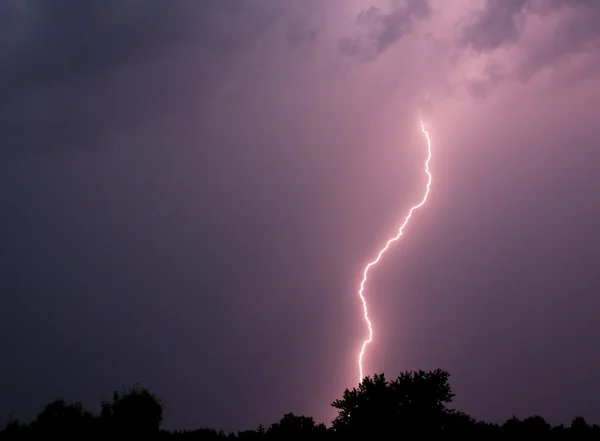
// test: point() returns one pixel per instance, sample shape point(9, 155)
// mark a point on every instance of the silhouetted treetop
point(415, 400)
point(60, 416)
point(135, 410)
point(293, 425)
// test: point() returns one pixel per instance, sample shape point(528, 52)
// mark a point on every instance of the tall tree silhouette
point(579, 426)
point(134, 410)
point(372, 405)
point(415, 400)
point(423, 397)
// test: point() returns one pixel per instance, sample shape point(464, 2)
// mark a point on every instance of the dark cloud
point(496, 24)
point(60, 58)
point(384, 29)
point(501, 23)
point(577, 32)
point(59, 39)
point(55, 41)
point(545, 6)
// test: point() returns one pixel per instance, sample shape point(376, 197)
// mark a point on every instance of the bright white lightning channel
point(371, 264)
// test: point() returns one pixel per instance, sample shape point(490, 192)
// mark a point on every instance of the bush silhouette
point(60, 416)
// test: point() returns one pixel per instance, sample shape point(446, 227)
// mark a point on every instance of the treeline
point(414, 404)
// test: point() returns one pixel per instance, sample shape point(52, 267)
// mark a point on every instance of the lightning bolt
point(361, 292)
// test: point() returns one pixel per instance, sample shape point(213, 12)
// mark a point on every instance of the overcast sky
point(190, 192)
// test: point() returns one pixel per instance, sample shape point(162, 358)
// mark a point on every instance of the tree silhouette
point(413, 405)
point(414, 401)
point(250, 435)
point(579, 426)
point(371, 405)
point(423, 398)
point(531, 425)
point(297, 426)
point(14, 426)
point(134, 410)
point(512, 425)
point(60, 416)
point(457, 421)
point(535, 424)
point(202, 434)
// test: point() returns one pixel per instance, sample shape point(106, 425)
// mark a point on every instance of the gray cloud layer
point(496, 24)
point(384, 29)
point(502, 23)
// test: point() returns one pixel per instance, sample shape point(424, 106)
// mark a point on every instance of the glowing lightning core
point(384, 249)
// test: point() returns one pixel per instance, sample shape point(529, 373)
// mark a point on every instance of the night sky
point(189, 192)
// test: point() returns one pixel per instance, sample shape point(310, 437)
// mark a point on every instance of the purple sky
point(190, 191)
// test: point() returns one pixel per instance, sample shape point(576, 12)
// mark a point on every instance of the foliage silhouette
point(60, 416)
point(298, 426)
point(415, 401)
point(414, 404)
point(134, 410)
